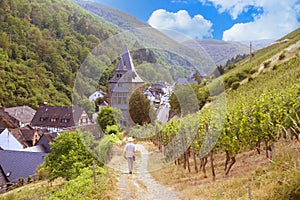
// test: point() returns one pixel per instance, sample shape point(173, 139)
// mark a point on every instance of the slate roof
point(45, 141)
point(126, 66)
point(65, 116)
point(23, 135)
point(20, 163)
point(6, 120)
point(23, 114)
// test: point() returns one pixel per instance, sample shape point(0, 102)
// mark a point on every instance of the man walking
point(129, 153)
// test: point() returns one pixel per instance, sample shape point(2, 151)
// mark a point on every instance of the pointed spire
point(127, 59)
point(121, 65)
point(126, 65)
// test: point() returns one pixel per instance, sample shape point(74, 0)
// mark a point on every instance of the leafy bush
point(235, 85)
point(83, 186)
point(267, 64)
point(103, 149)
point(68, 155)
point(114, 129)
point(230, 80)
point(281, 56)
point(241, 75)
point(252, 71)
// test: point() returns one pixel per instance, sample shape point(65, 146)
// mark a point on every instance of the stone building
point(124, 82)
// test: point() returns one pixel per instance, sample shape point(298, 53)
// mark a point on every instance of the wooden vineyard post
point(212, 165)
point(210, 151)
point(193, 151)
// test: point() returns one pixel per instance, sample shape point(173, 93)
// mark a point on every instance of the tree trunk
point(195, 158)
point(267, 149)
point(258, 146)
point(194, 153)
point(188, 160)
point(231, 164)
point(227, 160)
point(203, 162)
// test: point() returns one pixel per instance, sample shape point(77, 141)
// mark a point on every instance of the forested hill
point(117, 17)
point(42, 45)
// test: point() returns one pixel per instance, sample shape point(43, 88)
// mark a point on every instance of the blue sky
point(234, 20)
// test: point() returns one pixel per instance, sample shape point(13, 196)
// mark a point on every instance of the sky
point(229, 20)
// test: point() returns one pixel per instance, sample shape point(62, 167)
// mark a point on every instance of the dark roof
point(127, 68)
point(56, 116)
point(4, 175)
point(45, 140)
point(23, 114)
point(6, 120)
point(20, 163)
point(24, 135)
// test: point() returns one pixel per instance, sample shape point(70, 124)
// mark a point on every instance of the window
point(53, 119)
point(65, 120)
point(42, 119)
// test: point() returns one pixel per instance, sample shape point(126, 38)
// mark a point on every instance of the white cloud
point(277, 18)
point(181, 26)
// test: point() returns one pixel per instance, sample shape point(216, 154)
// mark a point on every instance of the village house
point(18, 164)
point(24, 138)
point(23, 114)
point(6, 120)
point(59, 118)
point(96, 95)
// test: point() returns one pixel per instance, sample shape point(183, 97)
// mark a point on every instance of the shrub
point(114, 129)
point(241, 75)
point(267, 64)
point(230, 80)
point(235, 85)
point(252, 71)
point(281, 57)
point(250, 79)
point(275, 67)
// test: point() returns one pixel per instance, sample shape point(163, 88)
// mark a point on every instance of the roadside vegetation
point(73, 170)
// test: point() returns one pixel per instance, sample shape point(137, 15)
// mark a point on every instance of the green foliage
point(255, 112)
point(267, 64)
point(68, 156)
point(281, 56)
point(114, 129)
point(83, 187)
point(139, 108)
point(228, 81)
point(103, 149)
point(184, 99)
point(109, 116)
point(235, 85)
point(41, 51)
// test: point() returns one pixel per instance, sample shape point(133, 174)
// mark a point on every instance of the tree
point(109, 116)
point(139, 107)
point(184, 100)
point(68, 155)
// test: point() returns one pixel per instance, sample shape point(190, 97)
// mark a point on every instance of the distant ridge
point(220, 51)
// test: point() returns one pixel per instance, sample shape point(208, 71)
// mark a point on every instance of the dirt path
point(139, 185)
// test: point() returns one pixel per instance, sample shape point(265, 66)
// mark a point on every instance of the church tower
point(124, 82)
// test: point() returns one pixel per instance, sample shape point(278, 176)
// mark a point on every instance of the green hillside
point(42, 45)
point(256, 113)
point(220, 51)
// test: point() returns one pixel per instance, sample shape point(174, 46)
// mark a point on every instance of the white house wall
point(9, 142)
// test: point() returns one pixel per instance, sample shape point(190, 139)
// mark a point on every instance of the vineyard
point(253, 117)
